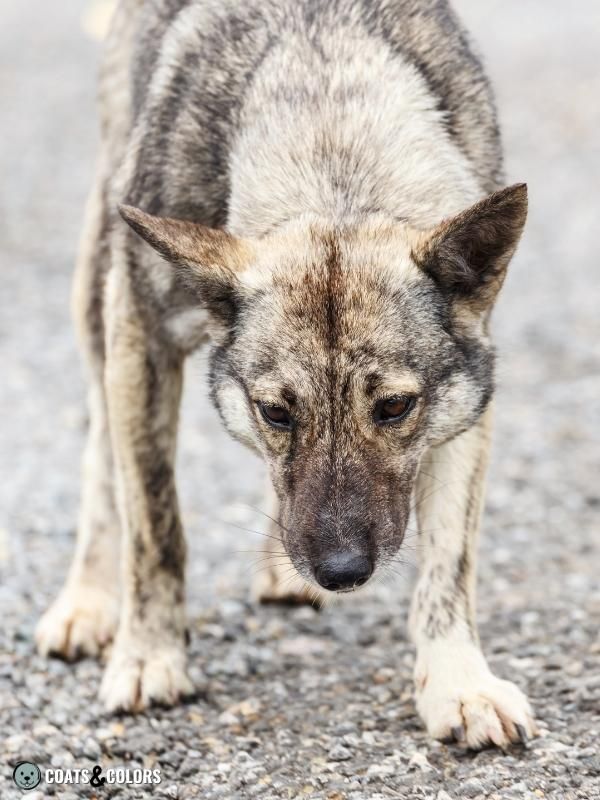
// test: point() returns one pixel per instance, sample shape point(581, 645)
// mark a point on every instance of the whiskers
point(394, 563)
point(273, 556)
point(250, 530)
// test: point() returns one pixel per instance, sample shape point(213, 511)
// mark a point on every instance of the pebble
point(472, 788)
point(339, 753)
point(420, 761)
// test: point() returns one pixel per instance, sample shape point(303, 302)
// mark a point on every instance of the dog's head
point(341, 354)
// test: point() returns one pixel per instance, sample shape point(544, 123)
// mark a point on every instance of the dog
point(314, 190)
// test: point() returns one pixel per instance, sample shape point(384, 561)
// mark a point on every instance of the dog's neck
point(343, 143)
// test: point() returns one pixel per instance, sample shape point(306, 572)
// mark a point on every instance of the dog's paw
point(460, 699)
point(80, 622)
point(282, 584)
point(138, 677)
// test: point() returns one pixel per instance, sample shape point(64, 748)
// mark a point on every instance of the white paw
point(459, 698)
point(137, 677)
point(282, 584)
point(80, 622)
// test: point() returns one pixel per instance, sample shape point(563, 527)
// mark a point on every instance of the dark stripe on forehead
point(333, 299)
point(333, 289)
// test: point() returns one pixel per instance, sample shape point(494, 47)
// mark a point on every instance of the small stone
point(248, 709)
point(228, 718)
point(381, 770)
point(172, 758)
point(16, 743)
point(420, 761)
point(117, 729)
point(344, 727)
point(90, 749)
point(366, 637)
point(302, 646)
point(231, 608)
point(252, 624)
point(304, 614)
point(339, 753)
point(213, 631)
point(384, 675)
point(63, 759)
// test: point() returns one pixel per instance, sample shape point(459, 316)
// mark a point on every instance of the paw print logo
point(27, 775)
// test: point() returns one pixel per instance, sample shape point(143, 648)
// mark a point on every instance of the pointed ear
point(467, 256)
point(206, 259)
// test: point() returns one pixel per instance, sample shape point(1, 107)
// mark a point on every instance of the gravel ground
point(296, 703)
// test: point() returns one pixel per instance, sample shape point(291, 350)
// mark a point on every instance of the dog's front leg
point(277, 580)
point(457, 695)
point(143, 387)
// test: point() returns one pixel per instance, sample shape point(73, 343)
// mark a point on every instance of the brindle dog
point(319, 182)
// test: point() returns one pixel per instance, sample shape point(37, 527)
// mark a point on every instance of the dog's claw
point(524, 739)
point(458, 733)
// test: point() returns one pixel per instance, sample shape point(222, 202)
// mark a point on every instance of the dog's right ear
point(207, 260)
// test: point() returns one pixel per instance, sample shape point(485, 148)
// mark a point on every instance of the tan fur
point(457, 695)
point(314, 181)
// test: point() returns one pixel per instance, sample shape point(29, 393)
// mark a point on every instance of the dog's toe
point(282, 584)
point(81, 622)
point(493, 713)
point(472, 706)
point(135, 679)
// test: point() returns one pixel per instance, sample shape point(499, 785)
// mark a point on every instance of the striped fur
point(319, 186)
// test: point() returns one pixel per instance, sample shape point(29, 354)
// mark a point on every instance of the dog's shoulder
point(190, 64)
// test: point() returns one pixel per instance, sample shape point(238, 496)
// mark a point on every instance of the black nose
point(343, 571)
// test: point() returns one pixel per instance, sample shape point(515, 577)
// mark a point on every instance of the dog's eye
point(393, 409)
point(276, 416)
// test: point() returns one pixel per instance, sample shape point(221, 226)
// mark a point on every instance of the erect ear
point(206, 260)
point(467, 255)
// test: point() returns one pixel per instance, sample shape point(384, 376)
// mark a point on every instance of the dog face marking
point(341, 354)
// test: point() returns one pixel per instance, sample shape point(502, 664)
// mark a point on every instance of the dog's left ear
point(467, 255)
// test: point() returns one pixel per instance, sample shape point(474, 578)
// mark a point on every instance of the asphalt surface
point(296, 703)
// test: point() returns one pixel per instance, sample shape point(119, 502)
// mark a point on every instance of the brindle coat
point(303, 168)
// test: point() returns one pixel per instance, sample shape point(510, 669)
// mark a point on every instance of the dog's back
point(207, 101)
